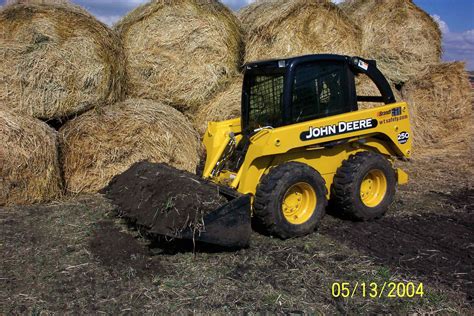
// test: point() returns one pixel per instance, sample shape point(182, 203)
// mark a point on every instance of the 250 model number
point(403, 137)
point(375, 290)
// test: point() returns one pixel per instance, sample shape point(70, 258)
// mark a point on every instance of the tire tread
point(269, 184)
point(345, 184)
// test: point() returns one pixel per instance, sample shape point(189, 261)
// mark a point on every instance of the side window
point(319, 90)
point(266, 96)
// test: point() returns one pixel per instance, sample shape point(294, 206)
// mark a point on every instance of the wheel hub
point(299, 203)
point(373, 188)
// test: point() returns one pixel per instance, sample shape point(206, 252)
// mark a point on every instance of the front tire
point(291, 200)
point(364, 186)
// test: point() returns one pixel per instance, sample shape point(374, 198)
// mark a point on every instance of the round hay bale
point(440, 101)
point(180, 51)
point(249, 14)
point(98, 145)
point(399, 35)
point(57, 61)
point(29, 166)
point(366, 87)
point(224, 106)
point(276, 29)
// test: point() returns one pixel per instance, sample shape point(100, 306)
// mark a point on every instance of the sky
point(455, 17)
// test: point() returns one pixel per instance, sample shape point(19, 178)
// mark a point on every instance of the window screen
point(319, 91)
point(266, 98)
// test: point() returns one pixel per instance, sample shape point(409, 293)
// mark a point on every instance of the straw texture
point(98, 145)
point(57, 61)
point(29, 166)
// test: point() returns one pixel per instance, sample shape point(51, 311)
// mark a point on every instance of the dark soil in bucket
point(162, 199)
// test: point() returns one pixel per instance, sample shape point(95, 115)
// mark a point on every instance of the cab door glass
point(319, 90)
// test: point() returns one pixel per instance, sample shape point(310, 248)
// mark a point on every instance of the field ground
point(76, 256)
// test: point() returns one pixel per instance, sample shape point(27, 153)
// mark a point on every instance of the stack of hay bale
point(147, 89)
point(177, 53)
point(63, 67)
point(406, 43)
point(57, 61)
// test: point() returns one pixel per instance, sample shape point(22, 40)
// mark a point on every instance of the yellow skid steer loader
point(302, 141)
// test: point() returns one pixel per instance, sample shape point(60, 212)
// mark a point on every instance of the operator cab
point(287, 91)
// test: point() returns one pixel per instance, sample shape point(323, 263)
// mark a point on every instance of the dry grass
point(29, 166)
point(57, 60)
point(180, 52)
point(277, 28)
point(224, 106)
point(440, 102)
point(98, 145)
point(399, 35)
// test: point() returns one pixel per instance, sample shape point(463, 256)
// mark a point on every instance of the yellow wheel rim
point(373, 188)
point(299, 203)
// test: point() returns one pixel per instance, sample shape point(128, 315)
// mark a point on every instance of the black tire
point(200, 167)
point(346, 189)
point(272, 190)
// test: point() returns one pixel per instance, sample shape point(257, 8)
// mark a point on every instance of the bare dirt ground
point(77, 256)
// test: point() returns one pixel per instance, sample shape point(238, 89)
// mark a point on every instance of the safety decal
point(363, 65)
point(393, 112)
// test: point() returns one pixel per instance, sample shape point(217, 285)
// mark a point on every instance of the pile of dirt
point(57, 60)
point(281, 28)
point(29, 166)
point(440, 103)
point(98, 145)
point(162, 199)
point(117, 249)
point(400, 36)
point(180, 51)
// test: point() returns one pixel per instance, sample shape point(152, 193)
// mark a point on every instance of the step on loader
point(301, 142)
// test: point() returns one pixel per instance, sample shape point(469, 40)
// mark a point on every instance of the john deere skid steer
point(301, 142)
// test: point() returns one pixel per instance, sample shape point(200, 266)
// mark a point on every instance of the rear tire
point(290, 200)
point(364, 187)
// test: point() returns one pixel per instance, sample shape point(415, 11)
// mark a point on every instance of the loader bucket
point(165, 202)
point(229, 226)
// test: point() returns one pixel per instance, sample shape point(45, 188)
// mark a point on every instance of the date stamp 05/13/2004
point(375, 290)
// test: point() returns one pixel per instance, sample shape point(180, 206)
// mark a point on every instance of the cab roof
point(293, 61)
